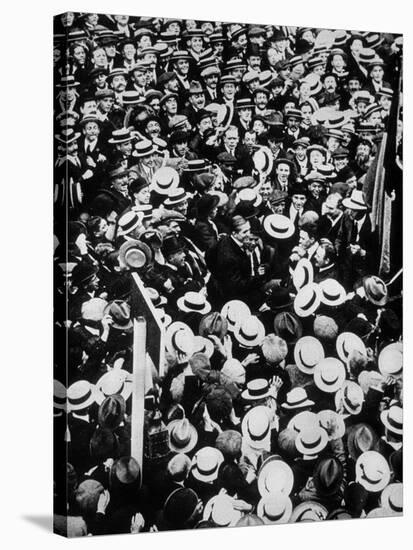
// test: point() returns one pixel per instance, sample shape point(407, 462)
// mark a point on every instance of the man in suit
point(115, 198)
point(331, 215)
point(325, 260)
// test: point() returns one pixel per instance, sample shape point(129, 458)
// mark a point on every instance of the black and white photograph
point(227, 274)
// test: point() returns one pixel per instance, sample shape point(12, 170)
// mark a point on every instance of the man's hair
point(334, 197)
point(237, 222)
point(311, 229)
point(330, 252)
point(231, 129)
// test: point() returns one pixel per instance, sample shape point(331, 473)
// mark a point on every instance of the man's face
point(258, 127)
point(218, 48)
point(319, 69)
point(228, 90)
point(125, 148)
point(153, 128)
point(79, 54)
point(242, 41)
point(121, 184)
point(243, 234)
point(332, 144)
point(196, 44)
point(99, 58)
point(211, 81)
point(254, 61)
point(154, 103)
point(278, 208)
point(177, 259)
point(245, 115)
point(145, 42)
point(250, 139)
point(231, 139)
point(151, 59)
point(172, 85)
point(148, 161)
point(237, 73)
point(305, 90)
point(272, 56)
point(315, 189)
point(385, 102)
point(375, 119)
point(330, 84)
point(293, 123)
point(356, 47)
point(171, 106)
point(361, 107)
point(331, 208)
point(280, 45)
point(110, 50)
point(129, 51)
point(174, 28)
point(182, 208)
point(261, 100)
point(106, 104)
point(88, 107)
point(72, 148)
point(253, 84)
point(204, 124)
point(300, 152)
point(340, 163)
point(354, 86)
point(197, 100)
point(283, 172)
point(139, 78)
point(67, 19)
point(316, 158)
point(319, 257)
point(118, 83)
point(181, 148)
point(143, 196)
point(276, 90)
point(91, 130)
point(182, 67)
point(100, 81)
point(298, 201)
point(305, 241)
point(377, 73)
point(266, 190)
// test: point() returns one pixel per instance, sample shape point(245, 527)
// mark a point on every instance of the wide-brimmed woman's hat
point(372, 471)
point(275, 508)
point(311, 441)
point(392, 419)
point(203, 345)
point(308, 352)
point(263, 160)
point(256, 389)
point(183, 436)
point(206, 463)
point(308, 300)
point(194, 302)
point(329, 375)
point(164, 179)
point(332, 292)
point(333, 423)
point(234, 311)
point(135, 254)
point(278, 226)
point(59, 395)
point(360, 439)
point(179, 338)
point(256, 428)
point(114, 382)
point(297, 398)
point(392, 498)
point(351, 396)
point(275, 476)
point(302, 421)
point(249, 331)
point(391, 360)
point(220, 510)
point(80, 395)
point(347, 343)
point(303, 273)
point(308, 511)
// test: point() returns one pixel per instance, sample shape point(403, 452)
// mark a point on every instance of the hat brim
point(268, 521)
point(384, 417)
point(250, 343)
point(288, 477)
point(318, 511)
point(314, 450)
point(329, 388)
point(193, 438)
point(126, 390)
point(278, 233)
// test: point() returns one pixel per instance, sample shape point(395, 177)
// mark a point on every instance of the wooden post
point(138, 394)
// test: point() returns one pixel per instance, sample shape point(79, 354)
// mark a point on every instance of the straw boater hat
point(308, 511)
point(256, 389)
point(302, 421)
point(128, 222)
point(120, 136)
point(256, 428)
point(351, 396)
point(206, 463)
point(372, 471)
point(59, 395)
point(297, 399)
point(356, 201)
point(332, 292)
point(347, 343)
point(179, 338)
point(80, 395)
point(194, 302)
point(249, 332)
point(391, 360)
point(203, 345)
point(278, 226)
point(333, 424)
point(114, 382)
point(275, 476)
point(176, 195)
point(275, 508)
point(183, 436)
point(311, 441)
point(134, 254)
point(220, 510)
point(156, 299)
point(164, 180)
point(308, 352)
point(329, 375)
point(392, 419)
point(307, 300)
point(234, 311)
point(303, 273)
point(392, 498)
point(163, 317)
point(263, 160)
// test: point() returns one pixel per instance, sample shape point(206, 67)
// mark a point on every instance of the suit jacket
point(205, 234)
point(327, 230)
point(107, 200)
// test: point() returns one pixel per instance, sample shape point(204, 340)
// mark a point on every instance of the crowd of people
point(225, 165)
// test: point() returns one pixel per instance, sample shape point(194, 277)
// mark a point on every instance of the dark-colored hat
point(87, 496)
point(288, 327)
point(112, 412)
point(164, 78)
point(120, 313)
point(360, 438)
point(213, 323)
point(206, 203)
point(125, 471)
point(179, 506)
point(83, 273)
point(279, 299)
point(328, 476)
point(219, 404)
point(355, 497)
point(170, 246)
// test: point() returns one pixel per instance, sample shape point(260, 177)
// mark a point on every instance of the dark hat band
point(347, 400)
point(80, 400)
point(130, 225)
point(311, 445)
point(179, 442)
point(273, 517)
point(394, 506)
point(258, 437)
point(257, 392)
point(304, 363)
point(331, 297)
point(59, 400)
point(117, 393)
point(146, 150)
point(364, 476)
point(196, 307)
point(394, 424)
point(303, 400)
point(358, 203)
point(310, 303)
point(279, 229)
point(328, 382)
point(164, 185)
point(247, 336)
point(207, 472)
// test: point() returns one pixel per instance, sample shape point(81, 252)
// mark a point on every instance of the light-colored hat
point(183, 436)
point(206, 463)
point(372, 471)
point(203, 345)
point(179, 337)
point(392, 419)
point(310, 510)
point(275, 476)
point(392, 498)
point(297, 399)
point(234, 370)
point(347, 343)
point(303, 273)
point(351, 396)
point(275, 508)
point(278, 226)
point(311, 441)
point(307, 300)
point(143, 148)
point(165, 179)
point(391, 360)
point(128, 222)
point(308, 352)
point(163, 317)
point(263, 160)
point(114, 382)
point(80, 395)
point(194, 302)
point(355, 201)
point(256, 429)
point(256, 389)
point(303, 420)
point(59, 395)
point(220, 509)
point(332, 292)
point(249, 332)
point(333, 424)
point(234, 311)
point(93, 309)
point(329, 375)
point(369, 379)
